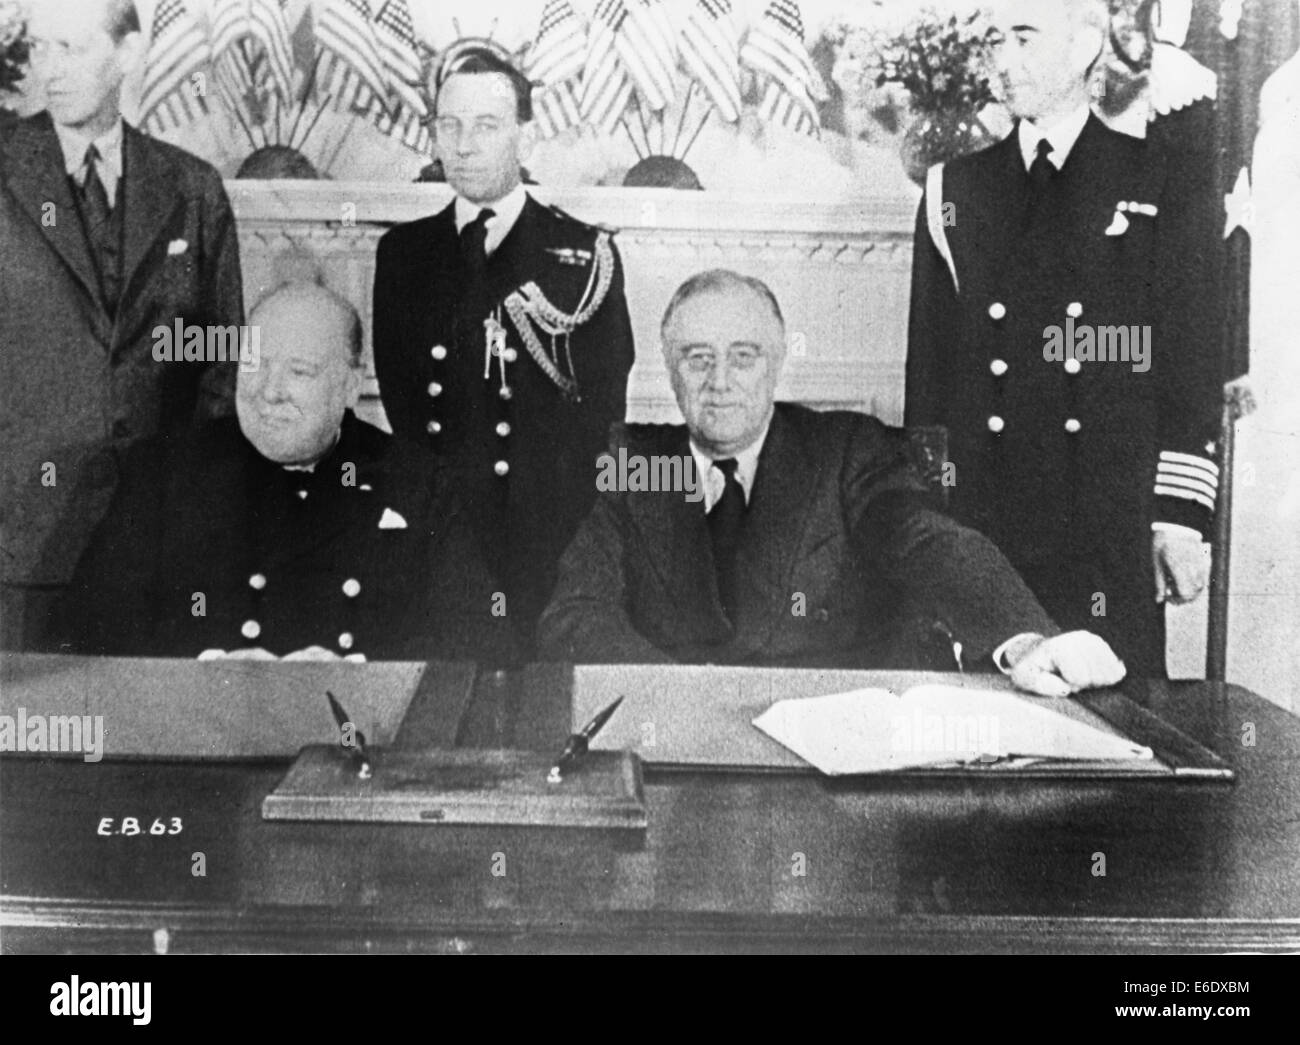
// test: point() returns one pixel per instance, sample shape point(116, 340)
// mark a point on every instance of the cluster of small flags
point(634, 48)
point(370, 66)
point(250, 43)
point(178, 51)
point(368, 63)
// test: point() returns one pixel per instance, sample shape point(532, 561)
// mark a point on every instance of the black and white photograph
point(675, 477)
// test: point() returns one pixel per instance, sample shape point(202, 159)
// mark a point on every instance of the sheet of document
point(876, 730)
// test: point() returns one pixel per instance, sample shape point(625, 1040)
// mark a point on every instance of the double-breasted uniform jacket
point(522, 428)
point(80, 379)
point(367, 553)
point(1065, 463)
point(838, 552)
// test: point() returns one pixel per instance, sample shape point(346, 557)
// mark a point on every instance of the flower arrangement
point(940, 62)
point(13, 46)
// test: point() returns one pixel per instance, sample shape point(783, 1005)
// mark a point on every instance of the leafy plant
point(13, 46)
point(941, 62)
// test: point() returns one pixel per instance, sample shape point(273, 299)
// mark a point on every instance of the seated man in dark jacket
point(793, 536)
point(294, 530)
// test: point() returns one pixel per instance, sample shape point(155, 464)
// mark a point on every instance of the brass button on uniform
point(1074, 310)
point(501, 467)
point(1073, 366)
point(996, 424)
point(257, 582)
point(1072, 426)
point(250, 630)
point(351, 587)
point(439, 352)
point(506, 392)
point(433, 428)
point(345, 640)
point(510, 355)
point(503, 428)
point(998, 367)
point(435, 389)
point(997, 310)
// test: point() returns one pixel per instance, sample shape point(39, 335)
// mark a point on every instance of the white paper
point(876, 730)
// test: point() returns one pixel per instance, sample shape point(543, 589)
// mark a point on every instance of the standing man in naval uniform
point(1042, 265)
point(502, 338)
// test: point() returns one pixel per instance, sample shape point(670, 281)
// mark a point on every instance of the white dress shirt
point(505, 212)
point(1061, 135)
point(715, 481)
point(74, 145)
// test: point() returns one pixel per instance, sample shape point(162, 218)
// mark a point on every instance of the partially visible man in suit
point(502, 337)
point(294, 530)
point(107, 234)
point(813, 534)
point(1064, 328)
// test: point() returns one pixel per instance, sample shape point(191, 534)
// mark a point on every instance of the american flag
point(774, 48)
point(243, 72)
point(178, 48)
point(237, 82)
point(606, 89)
point(711, 54)
point(352, 69)
point(408, 128)
point(406, 116)
point(396, 35)
point(555, 61)
point(647, 45)
point(265, 22)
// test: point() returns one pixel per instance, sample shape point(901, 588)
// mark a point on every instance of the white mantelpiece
point(841, 271)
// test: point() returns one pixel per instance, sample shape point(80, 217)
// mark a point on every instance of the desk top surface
point(747, 861)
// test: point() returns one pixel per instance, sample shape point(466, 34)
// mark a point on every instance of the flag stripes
point(178, 48)
point(606, 89)
point(710, 51)
point(554, 62)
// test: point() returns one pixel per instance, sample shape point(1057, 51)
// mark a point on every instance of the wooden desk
point(980, 866)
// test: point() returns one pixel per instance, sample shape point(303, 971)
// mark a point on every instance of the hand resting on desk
point(258, 653)
point(1061, 665)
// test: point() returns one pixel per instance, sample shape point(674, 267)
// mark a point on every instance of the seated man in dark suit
point(293, 529)
point(813, 539)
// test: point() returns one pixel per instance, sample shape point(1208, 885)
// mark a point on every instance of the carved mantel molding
point(839, 269)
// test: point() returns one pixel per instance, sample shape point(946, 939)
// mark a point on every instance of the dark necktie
point(1041, 173)
point(473, 240)
point(474, 305)
point(94, 197)
point(1042, 170)
point(725, 521)
point(97, 220)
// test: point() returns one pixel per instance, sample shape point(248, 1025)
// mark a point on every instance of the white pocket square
point(178, 246)
point(1119, 222)
point(391, 521)
point(1118, 225)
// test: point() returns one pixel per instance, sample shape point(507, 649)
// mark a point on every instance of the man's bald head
point(306, 297)
point(308, 374)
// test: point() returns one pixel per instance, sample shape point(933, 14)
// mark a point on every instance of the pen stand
point(602, 789)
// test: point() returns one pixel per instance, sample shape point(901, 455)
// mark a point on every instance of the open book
point(877, 730)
